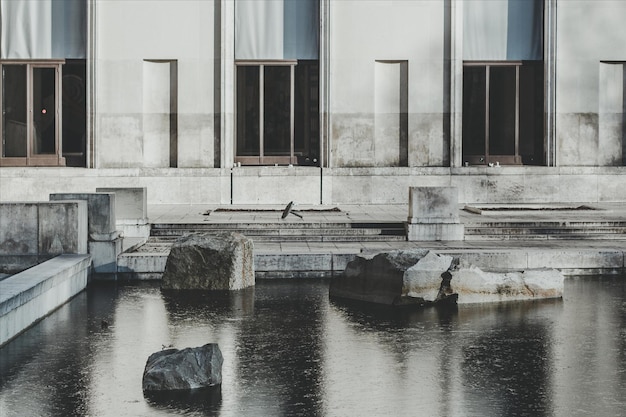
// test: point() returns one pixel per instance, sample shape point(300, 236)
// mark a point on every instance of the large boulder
point(186, 369)
point(210, 262)
point(477, 286)
point(402, 277)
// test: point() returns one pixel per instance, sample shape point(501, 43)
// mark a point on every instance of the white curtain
point(43, 29)
point(503, 30)
point(276, 29)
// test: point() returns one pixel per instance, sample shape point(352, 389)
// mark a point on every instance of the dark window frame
point(516, 157)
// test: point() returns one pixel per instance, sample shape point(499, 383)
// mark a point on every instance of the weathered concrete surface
point(393, 278)
point(101, 212)
point(104, 239)
point(186, 369)
point(131, 210)
point(210, 262)
point(29, 296)
point(477, 286)
point(434, 214)
point(423, 280)
point(31, 232)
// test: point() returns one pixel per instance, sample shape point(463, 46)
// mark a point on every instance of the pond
point(290, 351)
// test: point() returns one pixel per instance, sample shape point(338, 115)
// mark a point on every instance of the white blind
point(503, 30)
point(276, 29)
point(43, 29)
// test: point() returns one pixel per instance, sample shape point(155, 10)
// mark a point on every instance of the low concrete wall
point(33, 232)
point(29, 296)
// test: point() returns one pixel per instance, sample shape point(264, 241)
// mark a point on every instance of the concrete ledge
point(29, 296)
point(320, 264)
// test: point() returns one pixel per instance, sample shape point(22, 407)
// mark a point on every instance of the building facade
point(316, 101)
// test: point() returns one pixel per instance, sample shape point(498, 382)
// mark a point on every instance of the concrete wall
point(29, 296)
point(155, 83)
point(278, 185)
point(589, 32)
point(33, 232)
point(371, 44)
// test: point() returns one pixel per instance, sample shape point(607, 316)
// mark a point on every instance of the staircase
point(290, 232)
point(544, 230)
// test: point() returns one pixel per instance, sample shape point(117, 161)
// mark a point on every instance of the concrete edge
point(32, 295)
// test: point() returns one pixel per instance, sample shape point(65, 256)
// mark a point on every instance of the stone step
point(545, 237)
point(544, 230)
point(349, 232)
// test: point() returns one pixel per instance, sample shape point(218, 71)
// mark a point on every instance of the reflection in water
point(289, 351)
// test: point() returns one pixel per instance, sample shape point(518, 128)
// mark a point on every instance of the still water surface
point(289, 351)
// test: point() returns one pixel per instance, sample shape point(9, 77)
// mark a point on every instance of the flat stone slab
point(205, 261)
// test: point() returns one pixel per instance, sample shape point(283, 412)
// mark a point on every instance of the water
point(289, 351)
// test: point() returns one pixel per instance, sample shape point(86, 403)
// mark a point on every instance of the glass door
point(30, 114)
point(277, 117)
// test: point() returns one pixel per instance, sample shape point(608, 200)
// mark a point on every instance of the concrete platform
point(303, 259)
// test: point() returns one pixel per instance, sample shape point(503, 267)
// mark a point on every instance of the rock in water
point(411, 277)
point(190, 368)
point(210, 262)
point(477, 286)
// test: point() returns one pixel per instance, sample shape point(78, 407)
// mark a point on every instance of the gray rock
point(477, 286)
point(210, 262)
point(394, 278)
point(186, 369)
point(423, 280)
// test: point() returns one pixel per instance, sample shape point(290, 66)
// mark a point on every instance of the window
point(503, 82)
point(277, 82)
point(30, 107)
point(503, 113)
point(31, 114)
point(278, 113)
point(43, 48)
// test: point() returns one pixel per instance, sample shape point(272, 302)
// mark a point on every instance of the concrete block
point(62, 227)
point(104, 254)
point(101, 210)
point(131, 210)
point(18, 229)
point(434, 214)
point(130, 202)
point(31, 232)
point(438, 232)
point(433, 205)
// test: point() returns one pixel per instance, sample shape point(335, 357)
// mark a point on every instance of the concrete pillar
point(434, 214)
